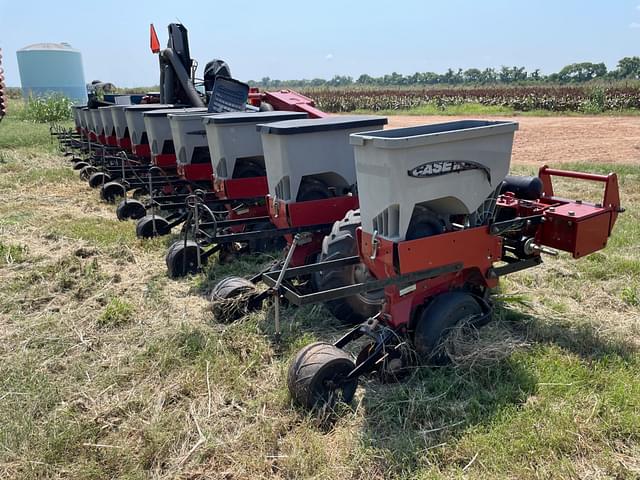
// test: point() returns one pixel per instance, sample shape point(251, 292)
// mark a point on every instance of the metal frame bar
point(349, 290)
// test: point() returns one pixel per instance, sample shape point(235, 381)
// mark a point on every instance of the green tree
point(472, 75)
point(365, 79)
point(628, 67)
point(582, 72)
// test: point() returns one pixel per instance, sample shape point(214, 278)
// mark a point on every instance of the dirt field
point(553, 140)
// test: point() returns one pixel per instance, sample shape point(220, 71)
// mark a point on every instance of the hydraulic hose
point(169, 56)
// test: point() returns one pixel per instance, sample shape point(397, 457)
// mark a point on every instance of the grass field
point(108, 369)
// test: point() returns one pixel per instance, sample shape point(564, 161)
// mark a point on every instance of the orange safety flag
point(155, 43)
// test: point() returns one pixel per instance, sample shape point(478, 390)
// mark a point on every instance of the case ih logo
point(433, 169)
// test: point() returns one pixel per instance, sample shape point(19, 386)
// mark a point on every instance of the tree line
point(628, 68)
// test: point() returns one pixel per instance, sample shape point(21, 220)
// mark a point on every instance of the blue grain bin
point(47, 68)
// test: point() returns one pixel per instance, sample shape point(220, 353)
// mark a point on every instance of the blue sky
point(285, 39)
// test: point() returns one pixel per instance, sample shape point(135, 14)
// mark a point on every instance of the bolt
point(552, 209)
point(571, 213)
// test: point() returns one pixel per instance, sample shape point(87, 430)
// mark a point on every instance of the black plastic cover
point(524, 187)
point(149, 106)
point(246, 117)
point(175, 109)
point(338, 122)
point(228, 95)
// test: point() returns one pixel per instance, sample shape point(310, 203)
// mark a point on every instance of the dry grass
point(108, 369)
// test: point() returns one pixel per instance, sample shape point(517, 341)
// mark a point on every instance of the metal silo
point(47, 68)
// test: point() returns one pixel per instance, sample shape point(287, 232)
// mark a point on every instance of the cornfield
point(551, 98)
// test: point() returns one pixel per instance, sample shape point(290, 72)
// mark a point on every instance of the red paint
point(293, 101)
point(301, 214)
point(195, 172)
point(141, 150)
point(240, 187)
point(125, 143)
point(112, 141)
point(164, 160)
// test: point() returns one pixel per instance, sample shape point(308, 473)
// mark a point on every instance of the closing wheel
point(96, 179)
point(112, 190)
point(130, 209)
point(182, 259)
point(151, 226)
point(232, 298)
point(435, 322)
point(312, 189)
point(80, 165)
point(342, 243)
point(317, 377)
point(139, 193)
point(87, 171)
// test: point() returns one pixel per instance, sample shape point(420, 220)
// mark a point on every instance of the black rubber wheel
point(441, 315)
point(424, 223)
point(263, 245)
point(130, 210)
point(139, 193)
point(156, 171)
point(145, 226)
point(249, 169)
point(316, 377)
point(96, 179)
point(87, 171)
point(182, 259)
point(342, 243)
point(80, 165)
point(231, 298)
point(312, 189)
point(112, 190)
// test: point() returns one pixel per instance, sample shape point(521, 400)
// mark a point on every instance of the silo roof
point(48, 47)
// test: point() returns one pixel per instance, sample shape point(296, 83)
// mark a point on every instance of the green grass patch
point(117, 313)
point(479, 109)
point(10, 254)
point(98, 231)
point(433, 109)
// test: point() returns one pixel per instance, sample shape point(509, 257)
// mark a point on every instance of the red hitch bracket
point(573, 226)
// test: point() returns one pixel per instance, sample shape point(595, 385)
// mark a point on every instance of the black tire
point(312, 189)
point(144, 227)
point(86, 172)
point(80, 165)
point(225, 302)
point(182, 259)
point(263, 245)
point(130, 210)
point(424, 223)
point(249, 169)
point(342, 243)
point(316, 376)
point(111, 191)
point(441, 315)
point(96, 179)
point(139, 193)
